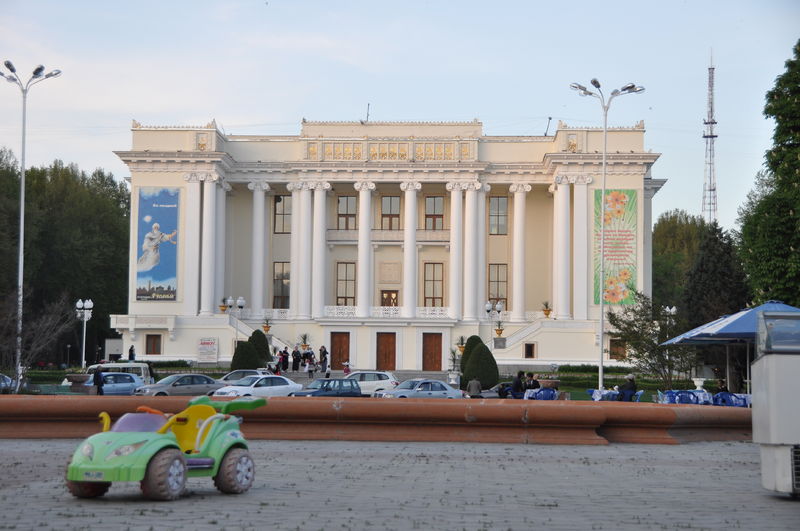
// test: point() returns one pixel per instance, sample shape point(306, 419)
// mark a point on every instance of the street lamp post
point(232, 303)
point(37, 76)
point(83, 310)
point(630, 88)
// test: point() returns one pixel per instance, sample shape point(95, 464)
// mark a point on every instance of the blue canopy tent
point(737, 328)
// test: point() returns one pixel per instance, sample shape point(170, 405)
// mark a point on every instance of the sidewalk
point(347, 485)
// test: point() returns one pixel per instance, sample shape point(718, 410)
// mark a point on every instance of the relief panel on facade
point(389, 272)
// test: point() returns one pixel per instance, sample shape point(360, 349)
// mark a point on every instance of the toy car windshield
point(142, 422)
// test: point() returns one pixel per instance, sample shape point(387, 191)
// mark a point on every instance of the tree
point(245, 357)
point(482, 365)
point(643, 327)
point(472, 342)
point(676, 238)
point(259, 341)
point(770, 219)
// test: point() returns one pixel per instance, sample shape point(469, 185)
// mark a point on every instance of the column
point(471, 252)
point(190, 239)
point(456, 250)
point(518, 252)
point(410, 285)
point(364, 286)
point(561, 241)
point(219, 267)
point(320, 254)
point(208, 248)
point(306, 257)
point(257, 246)
point(294, 250)
point(581, 251)
point(483, 263)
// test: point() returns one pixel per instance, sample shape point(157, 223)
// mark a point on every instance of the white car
point(373, 381)
point(234, 376)
point(272, 385)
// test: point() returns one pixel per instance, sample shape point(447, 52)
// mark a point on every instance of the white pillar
point(456, 250)
point(581, 251)
point(208, 249)
point(410, 275)
point(518, 252)
point(561, 240)
point(320, 255)
point(219, 268)
point(306, 257)
point(294, 250)
point(191, 240)
point(364, 286)
point(257, 246)
point(483, 263)
point(471, 252)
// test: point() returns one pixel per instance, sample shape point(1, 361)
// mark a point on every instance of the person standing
point(132, 353)
point(295, 359)
point(97, 380)
point(323, 359)
point(474, 388)
point(284, 359)
point(310, 365)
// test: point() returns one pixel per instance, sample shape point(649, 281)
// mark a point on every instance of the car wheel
point(165, 478)
point(247, 395)
point(87, 489)
point(161, 394)
point(236, 472)
point(401, 396)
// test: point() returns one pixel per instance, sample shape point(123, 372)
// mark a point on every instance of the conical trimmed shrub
point(482, 365)
point(470, 345)
point(259, 340)
point(245, 357)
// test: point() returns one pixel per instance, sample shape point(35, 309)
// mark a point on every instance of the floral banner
point(621, 218)
point(156, 266)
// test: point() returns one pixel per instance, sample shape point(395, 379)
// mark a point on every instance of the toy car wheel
point(87, 489)
point(236, 472)
point(165, 478)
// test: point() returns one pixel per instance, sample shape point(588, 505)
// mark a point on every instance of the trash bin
point(776, 424)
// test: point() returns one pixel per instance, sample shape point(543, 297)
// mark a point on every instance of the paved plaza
point(316, 485)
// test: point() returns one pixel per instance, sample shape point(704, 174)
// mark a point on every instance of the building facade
point(383, 241)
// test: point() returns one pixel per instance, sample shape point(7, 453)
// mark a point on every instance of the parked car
point(117, 383)
point(142, 370)
point(6, 384)
point(332, 387)
point(272, 385)
point(181, 384)
point(371, 382)
point(422, 388)
point(235, 376)
point(498, 391)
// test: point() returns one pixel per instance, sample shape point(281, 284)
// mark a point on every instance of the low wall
point(376, 419)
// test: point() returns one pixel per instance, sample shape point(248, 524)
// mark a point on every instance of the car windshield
point(316, 384)
point(169, 379)
point(139, 422)
point(408, 384)
point(247, 381)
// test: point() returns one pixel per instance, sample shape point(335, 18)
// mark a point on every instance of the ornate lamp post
point(83, 310)
point(493, 311)
point(37, 76)
point(630, 88)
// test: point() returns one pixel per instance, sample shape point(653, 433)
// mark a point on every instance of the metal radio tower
point(710, 177)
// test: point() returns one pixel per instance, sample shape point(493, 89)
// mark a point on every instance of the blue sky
point(259, 67)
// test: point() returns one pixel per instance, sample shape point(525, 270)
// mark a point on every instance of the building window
point(498, 215)
point(152, 344)
point(346, 212)
point(434, 284)
point(530, 351)
point(345, 284)
point(280, 285)
point(498, 284)
point(390, 212)
point(434, 213)
point(389, 297)
point(616, 349)
point(283, 214)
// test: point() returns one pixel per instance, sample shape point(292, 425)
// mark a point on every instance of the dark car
point(332, 387)
point(498, 391)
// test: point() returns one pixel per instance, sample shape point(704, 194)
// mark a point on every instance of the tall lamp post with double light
point(630, 88)
point(37, 76)
point(83, 310)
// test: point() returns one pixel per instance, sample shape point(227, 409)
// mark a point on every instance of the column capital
point(464, 186)
point(322, 186)
point(298, 186)
point(486, 188)
point(259, 186)
point(225, 186)
point(573, 179)
point(414, 186)
point(196, 177)
point(519, 187)
point(364, 186)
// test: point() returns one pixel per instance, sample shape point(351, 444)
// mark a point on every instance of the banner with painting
point(157, 263)
point(621, 217)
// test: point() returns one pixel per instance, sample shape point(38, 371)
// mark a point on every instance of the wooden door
point(340, 349)
point(431, 352)
point(385, 358)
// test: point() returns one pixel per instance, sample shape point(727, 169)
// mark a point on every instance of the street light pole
point(83, 309)
point(37, 76)
point(629, 88)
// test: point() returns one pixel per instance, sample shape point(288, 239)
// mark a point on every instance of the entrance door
point(340, 349)
point(431, 352)
point(385, 358)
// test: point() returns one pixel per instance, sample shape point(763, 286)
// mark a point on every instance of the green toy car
point(161, 451)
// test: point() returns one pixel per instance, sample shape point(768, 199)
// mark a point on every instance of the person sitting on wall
point(627, 390)
point(531, 382)
point(722, 387)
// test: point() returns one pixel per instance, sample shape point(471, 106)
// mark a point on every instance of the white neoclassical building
point(383, 241)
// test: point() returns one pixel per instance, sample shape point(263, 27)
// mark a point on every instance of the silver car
point(422, 388)
point(180, 384)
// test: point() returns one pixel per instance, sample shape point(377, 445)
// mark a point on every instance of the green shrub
point(246, 357)
point(481, 365)
point(472, 342)
point(259, 341)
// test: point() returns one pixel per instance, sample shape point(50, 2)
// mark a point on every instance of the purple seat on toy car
point(141, 422)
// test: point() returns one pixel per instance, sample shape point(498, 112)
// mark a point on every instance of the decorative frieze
point(259, 186)
point(519, 187)
point(364, 185)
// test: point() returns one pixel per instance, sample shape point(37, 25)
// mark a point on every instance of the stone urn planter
point(698, 383)
point(498, 331)
point(266, 328)
point(76, 384)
